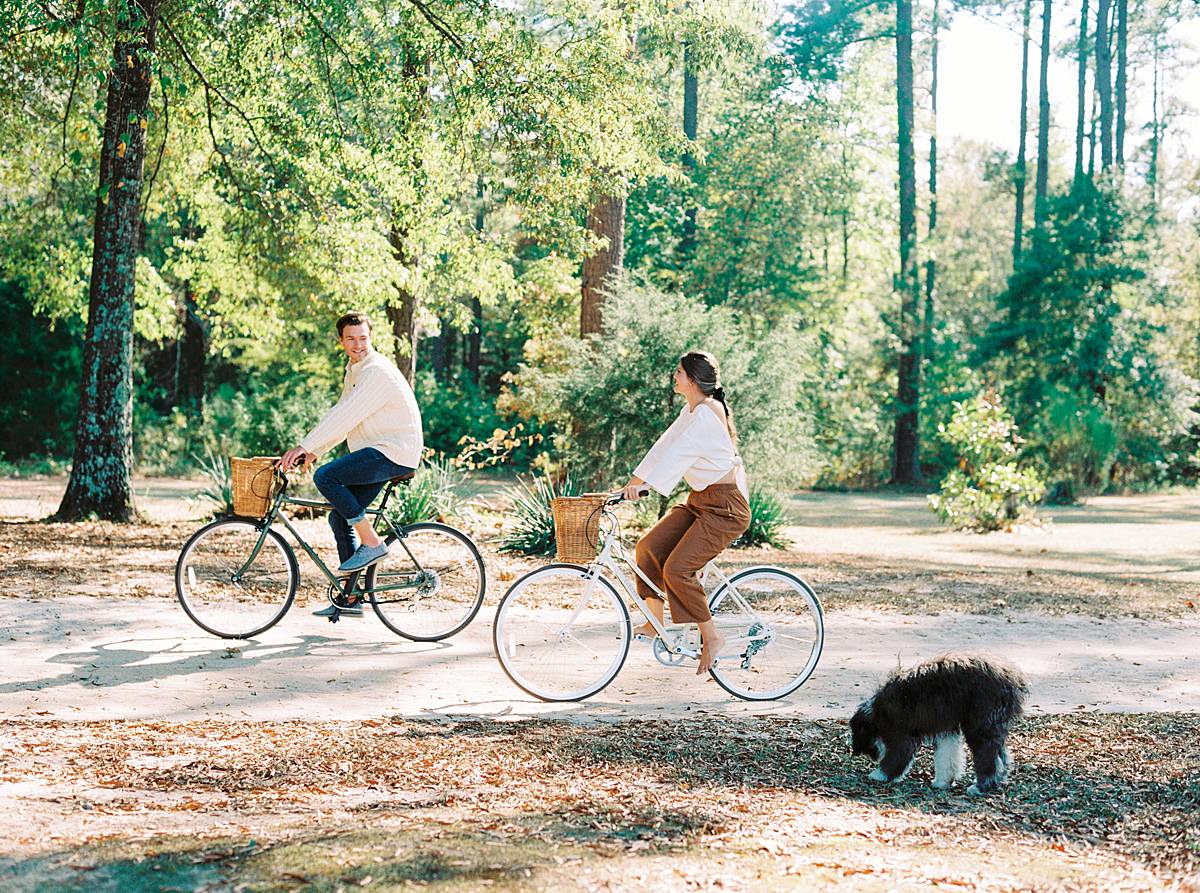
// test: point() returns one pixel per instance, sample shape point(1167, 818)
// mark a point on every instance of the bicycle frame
point(612, 551)
point(276, 513)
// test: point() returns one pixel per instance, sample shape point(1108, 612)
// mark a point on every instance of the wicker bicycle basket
point(253, 485)
point(577, 526)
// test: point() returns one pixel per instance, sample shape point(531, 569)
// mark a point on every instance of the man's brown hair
point(353, 318)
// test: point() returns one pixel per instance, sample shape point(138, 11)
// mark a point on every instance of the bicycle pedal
point(335, 616)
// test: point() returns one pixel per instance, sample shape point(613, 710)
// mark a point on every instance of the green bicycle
point(237, 577)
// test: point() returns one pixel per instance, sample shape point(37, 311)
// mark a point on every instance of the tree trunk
point(443, 349)
point(931, 261)
point(1104, 84)
point(1019, 168)
point(1122, 41)
point(103, 460)
point(845, 215)
point(905, 445)
point(1152, 172)
point(193, 353)
point(1093, 118)
point(402, 314)
point(687, 244)
point(475, 339)
point(607, 220)
point(1081, 105)
point(1043, 162)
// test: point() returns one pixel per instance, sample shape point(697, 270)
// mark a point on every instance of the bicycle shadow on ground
point(108, 665)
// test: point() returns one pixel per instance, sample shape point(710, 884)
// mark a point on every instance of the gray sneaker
point(364, 556)
point(354, 610)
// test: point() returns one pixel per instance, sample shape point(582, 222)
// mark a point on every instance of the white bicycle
point(562, 632)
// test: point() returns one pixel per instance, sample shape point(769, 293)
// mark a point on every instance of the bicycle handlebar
point(618, 497)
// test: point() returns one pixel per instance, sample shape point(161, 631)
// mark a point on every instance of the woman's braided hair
point(702, 368)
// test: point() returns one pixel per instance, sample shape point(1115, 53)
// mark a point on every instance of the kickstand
point(335, 616)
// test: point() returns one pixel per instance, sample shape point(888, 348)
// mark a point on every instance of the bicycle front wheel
point(224, 590)
point(430, 585)
point(561, 634)
point(774, 629)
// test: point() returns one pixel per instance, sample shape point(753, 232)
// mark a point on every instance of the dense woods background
point(543, 203)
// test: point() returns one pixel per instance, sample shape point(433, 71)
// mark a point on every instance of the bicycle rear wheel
point(431, 584)
point(561, 635)
point(774, 629)
point(225, 592)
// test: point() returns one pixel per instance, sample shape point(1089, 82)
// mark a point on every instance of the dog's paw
point(976, 791)
point(877, 775)
point(939, 785)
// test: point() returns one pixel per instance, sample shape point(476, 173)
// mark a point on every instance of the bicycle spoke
point(444, 578)
point(209, 587)
point(772, 662)
point(560, 635)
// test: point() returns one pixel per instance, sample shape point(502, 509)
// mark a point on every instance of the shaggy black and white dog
point(945, 701)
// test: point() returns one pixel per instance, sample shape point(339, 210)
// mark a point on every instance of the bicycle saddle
point(403, 478)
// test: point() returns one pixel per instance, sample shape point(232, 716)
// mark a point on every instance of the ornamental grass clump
point(432, 495)
point(988, 490)
point(767, 520)
point(216, 471)
point(533, 533)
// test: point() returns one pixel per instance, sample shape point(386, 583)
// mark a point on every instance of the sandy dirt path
point(80, 658)
point(87, 650)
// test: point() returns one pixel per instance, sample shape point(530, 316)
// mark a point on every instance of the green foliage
point(461, 420)
point(432, 495)
point(263, 417)
point(1075, 346)
point(533, 530)
point(39, 379)
point(988, 490)
point(768, 517)
point(614, 393)
point(444, 162)
point(32, 466)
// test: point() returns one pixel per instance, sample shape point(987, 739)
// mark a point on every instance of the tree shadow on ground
point(379, 850)
point(531, 799)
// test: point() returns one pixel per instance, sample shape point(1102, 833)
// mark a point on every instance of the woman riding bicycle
point(700, 446)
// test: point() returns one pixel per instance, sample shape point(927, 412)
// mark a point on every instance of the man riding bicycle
point(380, 421)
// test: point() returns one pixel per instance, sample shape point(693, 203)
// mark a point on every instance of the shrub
point(261, 419)
point(432, 495)
point(767, 520)
point(533, 533)
point(988, 491)
point(614, 394)
point(455, 413)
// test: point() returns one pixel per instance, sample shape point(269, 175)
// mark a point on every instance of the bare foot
point(645, 630)
point(708, 654)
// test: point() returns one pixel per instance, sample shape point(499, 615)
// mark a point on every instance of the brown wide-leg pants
point(687, 537)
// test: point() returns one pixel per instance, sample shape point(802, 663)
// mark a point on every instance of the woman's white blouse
point(697, 448)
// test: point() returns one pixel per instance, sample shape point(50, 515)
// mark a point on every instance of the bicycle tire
point(194, 565)
point(400, 615)
point(736, 678)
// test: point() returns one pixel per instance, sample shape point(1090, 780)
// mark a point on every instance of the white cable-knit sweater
point(377, 409)
point(698, 448)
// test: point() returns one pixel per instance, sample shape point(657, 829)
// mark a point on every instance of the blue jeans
point(351, 483)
